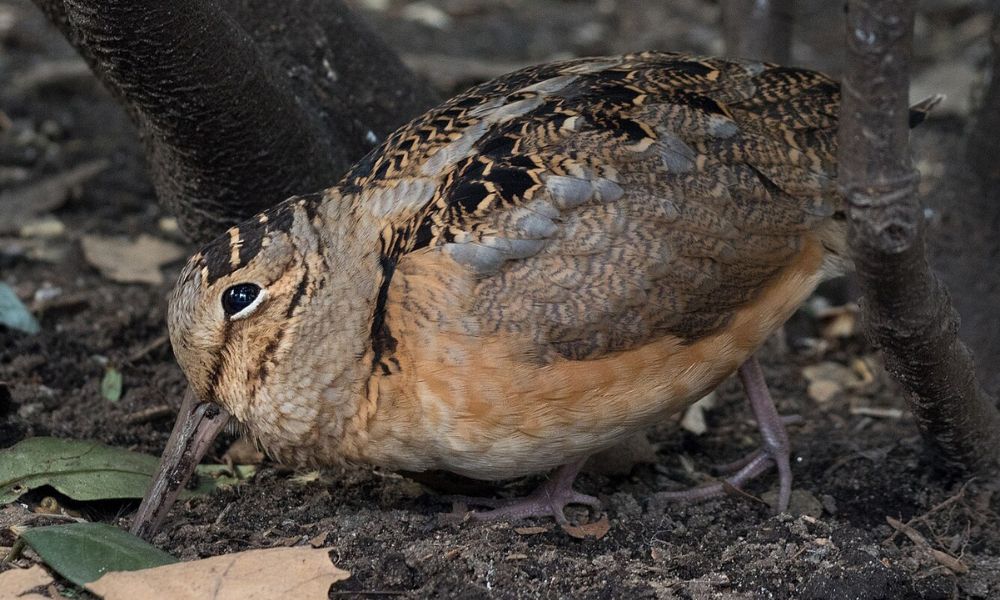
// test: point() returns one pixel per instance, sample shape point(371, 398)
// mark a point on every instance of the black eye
point(239, 297)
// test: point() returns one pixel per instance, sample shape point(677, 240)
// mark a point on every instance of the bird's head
point(271, 324)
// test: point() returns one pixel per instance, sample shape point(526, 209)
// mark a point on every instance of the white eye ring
point(252, 307)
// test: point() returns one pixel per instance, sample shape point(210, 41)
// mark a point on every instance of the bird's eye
point(239, 297)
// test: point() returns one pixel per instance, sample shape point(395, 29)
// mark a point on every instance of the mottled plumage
point(528, 273)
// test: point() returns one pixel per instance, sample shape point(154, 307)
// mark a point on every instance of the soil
point(857, 458)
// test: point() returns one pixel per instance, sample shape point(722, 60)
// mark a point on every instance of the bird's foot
point(773, 450)
point(549, 500)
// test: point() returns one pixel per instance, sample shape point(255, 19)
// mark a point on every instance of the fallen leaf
point(694, 416)
point(213, 477)
point(15, 582)
point(823, 390)
point(13, 313)
point(83, 552)
point(531, 530)
point(111, 385)
point(595, 530)
point(126, 261)
point(88, 470)
point(21, 205)
point(300, 573)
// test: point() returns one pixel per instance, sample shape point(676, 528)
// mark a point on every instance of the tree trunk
point(906, 310)
point(241, 104)
point(758, 29)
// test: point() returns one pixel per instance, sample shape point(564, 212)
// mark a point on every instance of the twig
point(943, 558)
point(160, 411)
point(142, 351)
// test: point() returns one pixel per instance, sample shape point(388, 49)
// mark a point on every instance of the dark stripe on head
point(215, 257)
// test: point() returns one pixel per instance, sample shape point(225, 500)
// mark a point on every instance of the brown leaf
point(15, 582)
point(126, 261)
point(300, 572)
point(595, 530)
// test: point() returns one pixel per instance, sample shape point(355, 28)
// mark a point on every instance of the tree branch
point(241, 104)
point(906, 310)
point(758, 29)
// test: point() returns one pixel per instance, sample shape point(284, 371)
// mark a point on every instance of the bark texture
point(906, 309)
point(240, 103)
point(758, 29)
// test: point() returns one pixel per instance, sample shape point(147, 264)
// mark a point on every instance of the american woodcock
point(521, 277)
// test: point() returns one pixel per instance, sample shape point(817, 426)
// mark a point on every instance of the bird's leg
point(548, 500)
point(774, 449)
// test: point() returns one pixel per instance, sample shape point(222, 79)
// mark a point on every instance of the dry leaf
point(301, 573)
point(824, 390)
point(530, 530)
point(15, 582)
point(694, 416)
point(130, 262)
point(595, 530)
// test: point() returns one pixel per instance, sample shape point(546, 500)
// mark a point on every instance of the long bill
point(198, 424)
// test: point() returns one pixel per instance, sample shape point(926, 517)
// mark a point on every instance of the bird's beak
point(198, 423)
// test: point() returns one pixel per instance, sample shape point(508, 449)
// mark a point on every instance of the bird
point(528, 274)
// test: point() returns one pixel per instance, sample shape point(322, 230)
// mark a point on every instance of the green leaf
point(213, 477)
point(14, 314)
point(82, 552)
point(111, 385)
point(88, 470)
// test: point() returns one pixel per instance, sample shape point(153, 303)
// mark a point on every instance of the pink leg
point(774, 449)
point(548, 500)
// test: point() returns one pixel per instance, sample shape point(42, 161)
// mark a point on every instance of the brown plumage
point(527, 274)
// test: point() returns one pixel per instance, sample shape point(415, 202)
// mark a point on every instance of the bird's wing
point(602, 203)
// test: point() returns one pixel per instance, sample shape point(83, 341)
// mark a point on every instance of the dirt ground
point(857, 459)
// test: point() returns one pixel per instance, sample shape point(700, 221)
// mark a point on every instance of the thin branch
point(906, 310)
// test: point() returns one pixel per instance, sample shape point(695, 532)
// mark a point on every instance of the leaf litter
point(304, 573)
point(126, 261)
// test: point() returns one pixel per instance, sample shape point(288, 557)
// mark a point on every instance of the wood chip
point(874, 411)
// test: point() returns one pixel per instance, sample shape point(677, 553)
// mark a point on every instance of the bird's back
point(576, 248)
